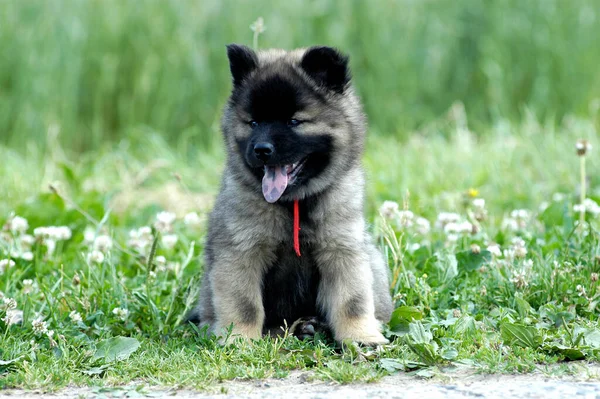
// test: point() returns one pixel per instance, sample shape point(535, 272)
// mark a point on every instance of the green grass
point(109, 114)
point(97, 69)
point(454, 305)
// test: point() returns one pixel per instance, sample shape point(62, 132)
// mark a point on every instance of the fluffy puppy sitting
point(287, 238)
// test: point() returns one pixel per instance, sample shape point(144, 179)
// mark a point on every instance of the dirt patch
point(551, 382)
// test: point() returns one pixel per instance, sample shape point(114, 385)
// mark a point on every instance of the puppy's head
point(293, 125)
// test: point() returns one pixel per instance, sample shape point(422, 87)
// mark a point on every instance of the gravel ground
point(298, 385)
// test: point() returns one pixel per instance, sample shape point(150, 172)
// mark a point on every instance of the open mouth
point(278, 177)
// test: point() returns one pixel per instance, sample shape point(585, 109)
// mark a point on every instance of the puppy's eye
point(293, 122)
point(253, 124)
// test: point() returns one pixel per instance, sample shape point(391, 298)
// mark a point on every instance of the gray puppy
point(287, 237)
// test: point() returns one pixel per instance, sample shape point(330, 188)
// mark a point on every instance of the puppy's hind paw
point(308, 327)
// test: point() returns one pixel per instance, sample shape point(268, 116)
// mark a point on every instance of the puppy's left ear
point(328, 67)
point(242, 61)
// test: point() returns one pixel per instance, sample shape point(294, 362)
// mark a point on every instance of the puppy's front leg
point(346, 293)
point(236, 282)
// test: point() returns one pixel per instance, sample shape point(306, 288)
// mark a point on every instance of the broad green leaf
point(427, 352)
point(448, 265)
point(115, 349)
point(520, 335)
point(567, 352)
point(403, 316)
point(391, 365)
point(425, 373)
point(418, 334)
point(449, 354)
point(591, 336)
point(465, 326)
point(470, 261)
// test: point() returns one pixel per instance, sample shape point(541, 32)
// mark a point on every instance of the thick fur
point(253, 279)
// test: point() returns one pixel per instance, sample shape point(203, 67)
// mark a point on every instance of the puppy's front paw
point(238, 333)
point(363, 331)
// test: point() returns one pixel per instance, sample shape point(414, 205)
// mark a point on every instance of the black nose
point(263, 151)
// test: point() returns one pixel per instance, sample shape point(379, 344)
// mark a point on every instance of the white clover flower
point(95, 257)
point(51, 234)
point(581, 290)
point(5, 264)
point(510, 224)
point(520, 252)
point(63, 233)
point(520, 214)
point(518, 242)
point(518, 247)
point(103, 243)
point(465, 227)
point(168, 241)
point(519, 279)
point(164, 222)
point(558, 197)
point(140, 239)
point(192, 219)
point(39, 326)
point(13, 316)
point(543, 206)
point(27, 241)
point(405, 218)
point(89, 234)
point(160, 262)
point(413, 247)
point(145, 231)
point(258, 26)
point(589, 206)
point(479, 203)
point(19, 225)
point(494, 250)
point(423, 225)
point(121, 313)
point(479, 211)
point(6, 237)
point(8, 303)
point(27, 286)
point(451, 228)
point(583, 146)
point(27, 256)
point(452, 238)
point(389, 209)
point(75, 317)
point(447, 217)
point(528, 263)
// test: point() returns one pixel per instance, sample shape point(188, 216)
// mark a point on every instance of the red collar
point(297, 228)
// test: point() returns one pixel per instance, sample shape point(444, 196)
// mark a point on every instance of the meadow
point(111, 157)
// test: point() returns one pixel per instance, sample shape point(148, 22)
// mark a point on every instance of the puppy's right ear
point(242, 61)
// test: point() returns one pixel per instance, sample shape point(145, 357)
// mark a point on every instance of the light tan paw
point(363, 331)
point(239, 333)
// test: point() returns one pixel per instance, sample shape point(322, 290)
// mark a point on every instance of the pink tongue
point(274, 182)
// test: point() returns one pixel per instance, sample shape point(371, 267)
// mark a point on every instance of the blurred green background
point(103, 70)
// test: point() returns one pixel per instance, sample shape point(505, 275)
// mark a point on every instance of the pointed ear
point(242, 61)
point(327, 66)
